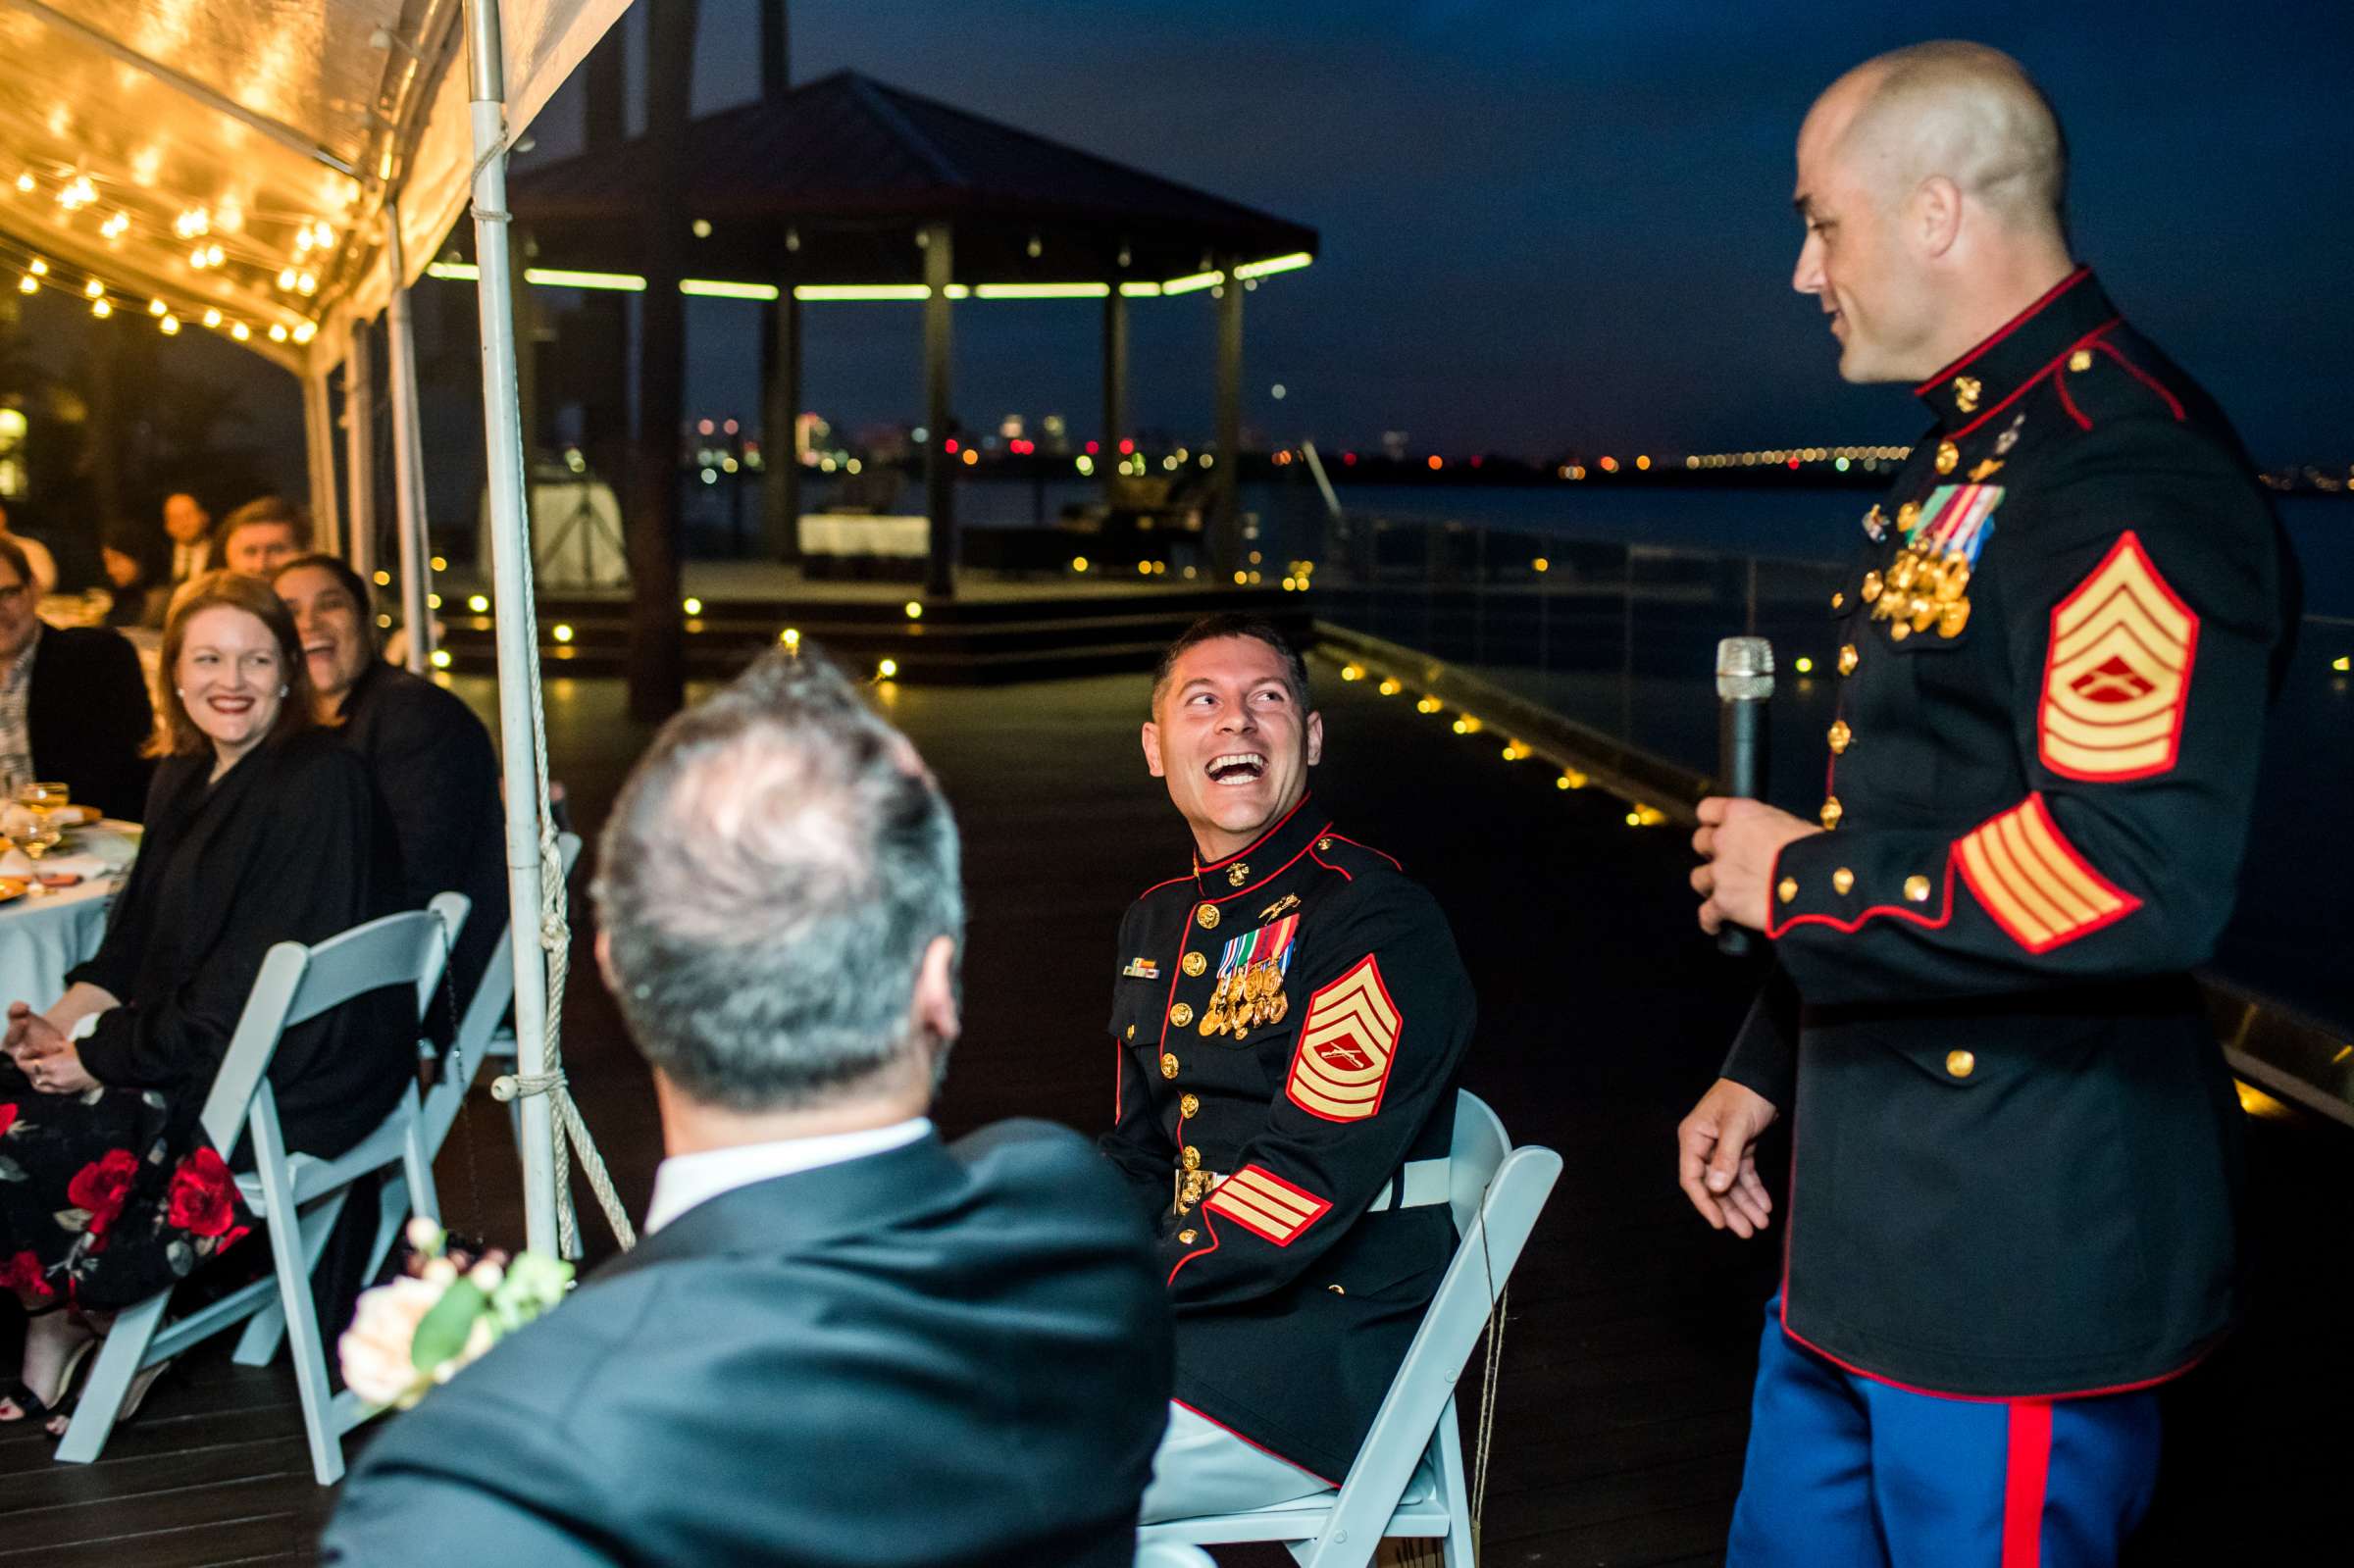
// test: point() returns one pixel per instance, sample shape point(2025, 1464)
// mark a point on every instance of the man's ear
point(1937, 215)
point(936, 990)
point(1151, 738)
point(605, 961)
point(1315, 738)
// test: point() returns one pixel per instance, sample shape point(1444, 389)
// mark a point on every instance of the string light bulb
point(286, 277)
point(39, 268)
point(240, 331)
point(115, 226)
point(277, 331)
point(305, 332)
point(93, 289)
point(25, 183)
point(156, 307)
point(28, 284)
point(101, 309)
point(213, 255)
point(212, 317)
point(170, 325)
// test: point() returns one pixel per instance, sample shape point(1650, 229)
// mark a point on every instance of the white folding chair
point(1408, 1479)
point(482, 1033)
point(298, 1194)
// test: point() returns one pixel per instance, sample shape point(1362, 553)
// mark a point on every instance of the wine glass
point(43, 799)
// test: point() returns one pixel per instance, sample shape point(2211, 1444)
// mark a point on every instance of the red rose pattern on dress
point(23, 1273)
point(201, 1202)
point(103, 1187)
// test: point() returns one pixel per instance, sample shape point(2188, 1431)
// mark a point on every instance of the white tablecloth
point(44, 934)
point(847, 534)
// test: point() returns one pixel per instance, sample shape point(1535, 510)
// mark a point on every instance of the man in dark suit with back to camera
point(73, 704)
point(841, 1341)
point(2016, 1145)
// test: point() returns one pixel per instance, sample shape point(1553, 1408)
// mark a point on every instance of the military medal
point(1250, 973)
point(1928, 585)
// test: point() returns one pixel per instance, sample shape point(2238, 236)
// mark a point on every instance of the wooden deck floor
point(1623, 1405)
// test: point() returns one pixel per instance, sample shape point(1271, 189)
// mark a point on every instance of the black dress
point(113, 1194)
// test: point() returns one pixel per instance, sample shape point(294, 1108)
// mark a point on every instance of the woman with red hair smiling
point(260, 827)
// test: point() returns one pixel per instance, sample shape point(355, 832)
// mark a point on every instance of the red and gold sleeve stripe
point(1266, 1205)
point(2032, 881)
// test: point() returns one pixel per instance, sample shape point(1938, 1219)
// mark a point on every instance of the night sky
point(1555, 224)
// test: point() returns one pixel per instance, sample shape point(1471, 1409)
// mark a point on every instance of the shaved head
point(1931, 182)
point(1962, 111)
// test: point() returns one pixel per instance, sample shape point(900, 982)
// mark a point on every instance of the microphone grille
point(1744, 669)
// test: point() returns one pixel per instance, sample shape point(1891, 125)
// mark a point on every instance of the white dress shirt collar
point(684, 1181)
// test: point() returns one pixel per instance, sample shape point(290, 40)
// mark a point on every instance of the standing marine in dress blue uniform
point(1290, 1020)
point(2015, 1146)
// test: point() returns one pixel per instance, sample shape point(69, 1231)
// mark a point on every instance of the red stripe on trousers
point(2028, 1469)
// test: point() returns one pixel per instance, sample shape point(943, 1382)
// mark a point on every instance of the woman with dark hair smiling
point(260, 827)
point(431, 759)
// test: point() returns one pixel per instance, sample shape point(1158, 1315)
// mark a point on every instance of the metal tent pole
point(511, 564)
point(318, 448)
point(408, 458)
point(359, 450)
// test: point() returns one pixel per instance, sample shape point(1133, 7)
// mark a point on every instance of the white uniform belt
point(1419, 1184)
point(1425, 1182)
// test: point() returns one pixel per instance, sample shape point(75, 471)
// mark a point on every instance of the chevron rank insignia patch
point(1266, 1205)
point(2033, 883)
point(1346, 1042)
point(2118, 678)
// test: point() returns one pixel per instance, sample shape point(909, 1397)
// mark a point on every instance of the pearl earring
point(283, 690)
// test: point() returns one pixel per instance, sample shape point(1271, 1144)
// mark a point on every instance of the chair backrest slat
point(298, 983)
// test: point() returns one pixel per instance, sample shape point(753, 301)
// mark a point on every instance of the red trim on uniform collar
point(2091, 339)
point(1277, 827)
point(2012, 326)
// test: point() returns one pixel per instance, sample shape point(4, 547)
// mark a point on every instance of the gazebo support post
point(318, 448)
point(408, 460)
point(780, 459)
point(939, 469)
point(1115, 382)
point(359, 450)
point(518, 695)
point(1226, 525)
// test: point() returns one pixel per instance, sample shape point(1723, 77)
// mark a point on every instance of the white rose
point(375, 1350)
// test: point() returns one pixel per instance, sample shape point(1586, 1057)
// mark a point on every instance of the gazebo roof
point(829, 182)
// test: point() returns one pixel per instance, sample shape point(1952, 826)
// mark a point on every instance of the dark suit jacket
point(87, 714)
point(930, 1355)
point(435, 767)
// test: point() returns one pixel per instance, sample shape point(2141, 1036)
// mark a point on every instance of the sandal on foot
point(32, 1406)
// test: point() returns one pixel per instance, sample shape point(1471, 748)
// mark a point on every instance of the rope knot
point(515, 1085)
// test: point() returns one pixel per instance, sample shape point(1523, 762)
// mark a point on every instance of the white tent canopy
point(229, 166)
point(237, 156)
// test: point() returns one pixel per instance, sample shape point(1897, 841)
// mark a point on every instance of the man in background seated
point(40, 565)
point(1289, 1022)
point(432, 758)
point(260, 534)
point(190, 527)
point(73, 704)
point(138, 599)
point(841, 1339)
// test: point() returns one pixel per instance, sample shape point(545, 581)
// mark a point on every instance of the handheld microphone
point(1744, 685)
